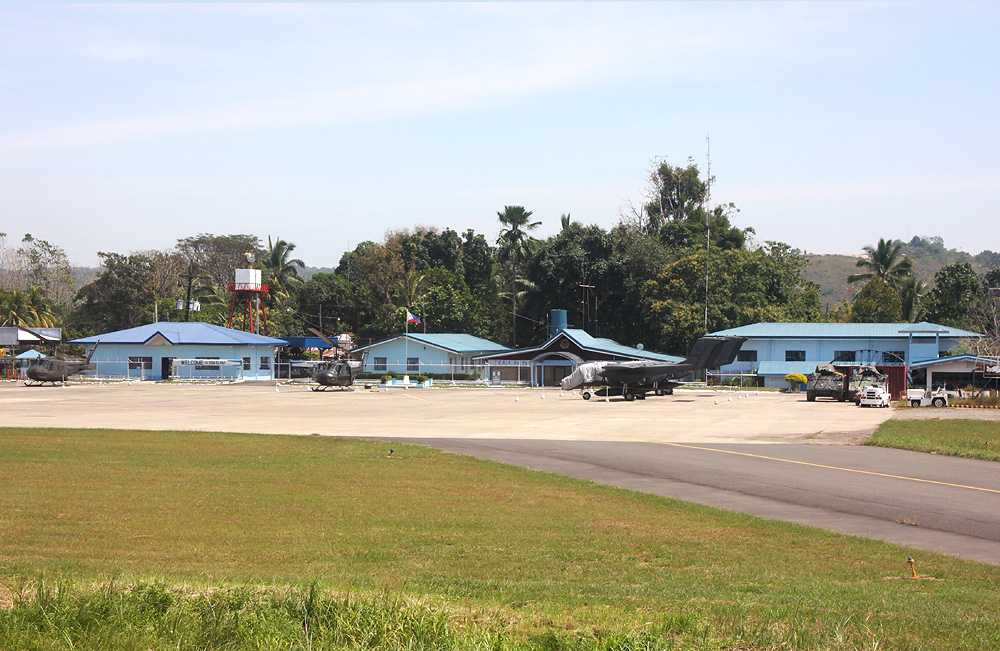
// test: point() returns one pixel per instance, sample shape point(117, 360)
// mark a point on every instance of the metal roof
point(463, 344)
point(842, 331)
point(14, 336)
point(183, 333)
point(602, 345)
point(954, 358)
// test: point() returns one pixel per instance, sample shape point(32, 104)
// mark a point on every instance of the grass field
point(155, 540)
point(975, 439)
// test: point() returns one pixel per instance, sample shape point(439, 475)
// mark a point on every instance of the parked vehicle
point(875, 395)
point(924, 398)
point(826, 382)
point(866, 376)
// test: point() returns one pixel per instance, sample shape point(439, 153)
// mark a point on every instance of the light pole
point(586, 304)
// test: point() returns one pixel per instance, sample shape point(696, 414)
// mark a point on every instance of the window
point(246, 363)
point(843, 356)
point(746, 356)
point(795, 355)
point(140, 363)
point(265, 363)
point(380, 364)
point(412, 364)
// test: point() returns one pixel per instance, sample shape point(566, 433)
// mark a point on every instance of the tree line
point(673, 268)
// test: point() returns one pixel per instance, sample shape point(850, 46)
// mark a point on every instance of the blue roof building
point(184, 350)
point(421, 353)
point(773, 350)
point(566, 348)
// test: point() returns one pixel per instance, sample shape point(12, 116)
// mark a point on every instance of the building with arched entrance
point(566, 349)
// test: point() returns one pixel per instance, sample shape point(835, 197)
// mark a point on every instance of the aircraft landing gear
point(586, 395)
point(629, 397)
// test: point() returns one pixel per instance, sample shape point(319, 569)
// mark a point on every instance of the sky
point(125, 127)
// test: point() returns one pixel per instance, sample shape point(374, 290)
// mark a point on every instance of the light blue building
point(773, 350)
point(187, 350)
point(421, 353)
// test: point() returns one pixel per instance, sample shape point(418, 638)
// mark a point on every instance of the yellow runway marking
point(819, 465)
point(414, 397)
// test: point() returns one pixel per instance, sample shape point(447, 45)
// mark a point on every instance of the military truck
point(826, 382)
point(865, 376)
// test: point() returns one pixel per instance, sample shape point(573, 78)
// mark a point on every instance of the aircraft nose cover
point(584, 374)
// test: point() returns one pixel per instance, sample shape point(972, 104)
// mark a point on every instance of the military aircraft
point(56, 369)
point(338, 372)
point(635, 379)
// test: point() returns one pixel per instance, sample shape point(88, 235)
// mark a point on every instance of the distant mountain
point(929, 256)
point(309, 272)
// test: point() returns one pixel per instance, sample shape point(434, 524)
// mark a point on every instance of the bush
point(795, 380)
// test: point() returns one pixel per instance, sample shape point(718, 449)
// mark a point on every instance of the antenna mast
point(706, 208)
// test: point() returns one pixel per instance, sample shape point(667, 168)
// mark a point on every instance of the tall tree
point(877, 302)
point(516, 245)
point(761, 285)
point(31, 309)
point(120, 297)
point(911, 297)
point(884, 261)
point(282, 270)
point(219, 255)
point(957, 291)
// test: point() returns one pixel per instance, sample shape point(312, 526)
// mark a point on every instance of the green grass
point(976, 439)
point(504, 558)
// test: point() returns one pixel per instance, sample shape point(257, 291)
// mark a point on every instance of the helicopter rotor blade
point(323, 337)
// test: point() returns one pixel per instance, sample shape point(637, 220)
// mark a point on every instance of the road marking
point(819, 465)
point(414, 397)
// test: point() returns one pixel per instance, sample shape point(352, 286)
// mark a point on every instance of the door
point(166, 367)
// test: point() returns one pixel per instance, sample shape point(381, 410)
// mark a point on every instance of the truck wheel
point(914, 403)
point(938, 402)
point(586, 395)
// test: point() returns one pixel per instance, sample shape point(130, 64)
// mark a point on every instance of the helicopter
point(56, 369)
point(336, 372)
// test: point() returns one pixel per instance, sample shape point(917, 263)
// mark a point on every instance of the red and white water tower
point(247, 291)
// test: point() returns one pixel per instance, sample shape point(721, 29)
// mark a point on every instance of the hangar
point(773, 350)
point(159, 351)
point(566, 348)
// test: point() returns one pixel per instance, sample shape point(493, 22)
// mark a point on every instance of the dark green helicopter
point(337, 372)
point(56, 369)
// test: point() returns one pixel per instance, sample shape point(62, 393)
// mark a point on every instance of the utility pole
point(190, 279)
point(708, 227)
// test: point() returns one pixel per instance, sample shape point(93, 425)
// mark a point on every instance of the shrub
point(795, 380)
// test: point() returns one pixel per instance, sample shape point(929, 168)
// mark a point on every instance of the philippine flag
point(410, 318)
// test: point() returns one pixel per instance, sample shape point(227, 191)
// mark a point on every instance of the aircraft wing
point(707, 352)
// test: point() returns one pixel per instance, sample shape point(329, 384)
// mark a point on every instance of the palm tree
point(885, 262)
point(30, 309)
point(515, 246)
point(911, 294)
point(283, 270)
point(410, 289)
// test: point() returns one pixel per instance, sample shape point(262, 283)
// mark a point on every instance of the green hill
point(929, 256)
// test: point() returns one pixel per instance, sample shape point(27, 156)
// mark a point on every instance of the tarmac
point(703, 416)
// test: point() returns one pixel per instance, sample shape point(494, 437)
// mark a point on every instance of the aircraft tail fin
point(726, 352)
point(701, 353)
point(93, 350)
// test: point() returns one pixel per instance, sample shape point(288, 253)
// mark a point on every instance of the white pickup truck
point(924, 398)
point(875, 395)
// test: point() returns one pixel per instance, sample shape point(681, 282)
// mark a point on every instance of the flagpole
point(406, 342)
